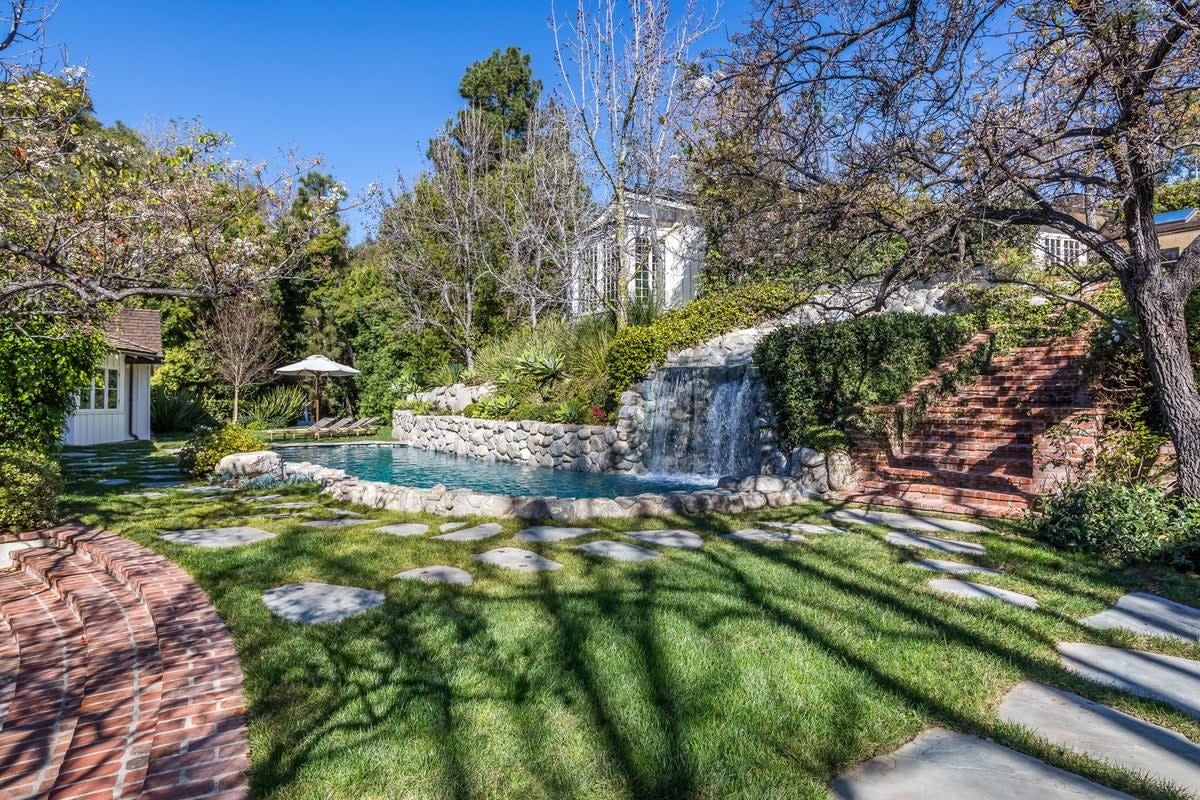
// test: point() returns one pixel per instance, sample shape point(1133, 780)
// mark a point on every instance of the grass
point(733, 671)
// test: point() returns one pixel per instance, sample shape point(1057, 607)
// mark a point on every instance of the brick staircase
point(975, 452)
point(117, 677)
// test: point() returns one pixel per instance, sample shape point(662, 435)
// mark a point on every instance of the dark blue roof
point(1173, 216)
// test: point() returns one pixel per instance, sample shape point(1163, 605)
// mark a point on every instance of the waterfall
point(701, 420)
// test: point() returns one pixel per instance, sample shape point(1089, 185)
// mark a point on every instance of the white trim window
point(104, 392)
point(1060, 249)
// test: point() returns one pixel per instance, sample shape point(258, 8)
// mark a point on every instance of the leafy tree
point(1178, 195)
point(503, 89)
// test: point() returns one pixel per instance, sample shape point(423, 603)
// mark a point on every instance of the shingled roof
point(136, 331)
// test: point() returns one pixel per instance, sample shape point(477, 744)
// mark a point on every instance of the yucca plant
point(279, 405)
point(176, 412)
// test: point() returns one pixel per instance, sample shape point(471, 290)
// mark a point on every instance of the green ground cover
point(733, 671)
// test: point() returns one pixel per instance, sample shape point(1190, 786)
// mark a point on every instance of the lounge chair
point(338, 428)
point(311, 429)
point(366, 425)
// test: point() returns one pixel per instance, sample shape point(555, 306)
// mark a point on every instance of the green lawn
point(733, 671)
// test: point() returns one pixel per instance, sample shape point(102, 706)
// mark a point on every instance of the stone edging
point(751, 494)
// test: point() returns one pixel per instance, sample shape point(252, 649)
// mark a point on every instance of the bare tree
point(983, 115)
point(624, 68)
point(241, 342)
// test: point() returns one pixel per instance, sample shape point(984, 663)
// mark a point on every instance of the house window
point(648, 261)
point(103, 394)
point(607, 279)
point(1062, 249)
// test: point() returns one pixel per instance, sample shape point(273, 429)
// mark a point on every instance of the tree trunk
point(236, 395)
point(1163, 331)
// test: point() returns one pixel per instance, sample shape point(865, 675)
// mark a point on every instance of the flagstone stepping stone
point(516, 558)
point(1150, 615)
point(452, 526)
point(944, 765)
point(279, 516)
point(207, 489)
point(259, 498)
point(474, 534)
point(618, 551)
point(309, 603)
point(114, 482)
point(404, 529)
point(341, 512)
point(94, 470)
point(1169, 679)
point(923, 542)
point(438, 573)
point(978, 591)
point(549, 533)
point(911, 522)
point(77, 454)
point(218, 538)
point(802, 527)
point(146, 495)
point(672, 538)
point(164, 484)
point(1105, 734)
point(334, 523)
point(295, 504)
point(755, 535)
point(953, 567)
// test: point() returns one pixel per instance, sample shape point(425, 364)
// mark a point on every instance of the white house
point(666, 243)
point(116, 406)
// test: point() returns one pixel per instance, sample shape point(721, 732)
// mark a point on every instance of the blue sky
point(363, 84)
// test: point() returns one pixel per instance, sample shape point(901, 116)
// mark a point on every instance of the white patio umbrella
point(316, 366)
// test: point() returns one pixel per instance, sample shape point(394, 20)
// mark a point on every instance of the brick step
point(1003, 384)
point(967, 448)
point(119, 709)
point(51, 673)
point(979, 413)
point(957, 494)
point(10, 662)
point(1017, 402)
point(982, 461)
point(912, 498)
point(965, 478)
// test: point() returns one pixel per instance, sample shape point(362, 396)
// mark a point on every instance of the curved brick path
point(117, 677)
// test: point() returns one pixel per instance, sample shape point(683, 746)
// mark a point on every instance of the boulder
point(250, 465)
point(840, 470)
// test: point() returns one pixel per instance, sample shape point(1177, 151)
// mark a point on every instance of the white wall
point(100, 426)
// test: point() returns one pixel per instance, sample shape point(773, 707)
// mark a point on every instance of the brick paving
point(125, 680)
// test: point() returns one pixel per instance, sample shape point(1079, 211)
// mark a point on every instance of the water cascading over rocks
point(703, 420)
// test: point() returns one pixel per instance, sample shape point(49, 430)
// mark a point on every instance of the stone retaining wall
point(584, 448)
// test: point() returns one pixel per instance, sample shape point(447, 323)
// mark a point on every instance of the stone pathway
point(618, 551)
point(978, 591)
point(549, 533)
point(516, 559)
point(340, 522)
point(218, 538)
point(911, 522)
point(114, 482)
point(259, 498)
point(437, 573)
point(944, 765)
point(754, 535)
point(938, 544)
point(309, 603)
point(404, 529)
point(802, 527)
point(953, 567)
point(1169, 679)
point(674, 538)
point(452, 526)
point(473, 534)
point(1150, 615)
point(1083, 726)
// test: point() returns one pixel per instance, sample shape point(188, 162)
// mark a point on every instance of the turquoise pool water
point(410, 466)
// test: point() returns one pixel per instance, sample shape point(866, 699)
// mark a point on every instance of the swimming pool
point(411, 466)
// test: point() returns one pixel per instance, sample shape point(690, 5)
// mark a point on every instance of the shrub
point(823, 376)
point(29, 488)
point(635, 349)
point(1119, 522)
point(208, 446)
point(278, 406)
point(1021, 320)
point(176, 412)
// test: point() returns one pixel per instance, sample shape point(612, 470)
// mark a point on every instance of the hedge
point(29, 488)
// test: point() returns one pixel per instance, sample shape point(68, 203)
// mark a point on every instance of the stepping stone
point(341, 512)
point(944, 765)
point(755, 535)
point(484, 531)
point(77, 454)
point(911, 522)
point(281, 515)
point(1169, 679)
point(334, 523)
point(802, 527)
point(618, 551)
point(218, 538)
point(296, 504)
point(1150, 615)
point(202, 489)
point(259, 498)
point(1076, 723)
point(516, 558)
point(308, 603)
point(134, 495)
point(452, 526)
point(953, 567)
point(438, 573)
point(549, 533)
point(115, 482)
point(978, 591)
point(674, 538)
point(934, 543)
point(165, 484)
point(404, 529)
point(94, 470)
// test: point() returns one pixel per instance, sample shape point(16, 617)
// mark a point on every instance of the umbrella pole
point(317, 379)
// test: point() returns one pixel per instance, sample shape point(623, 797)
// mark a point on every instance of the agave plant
point(279, 405)
point(176, 412)
point(542, 366)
